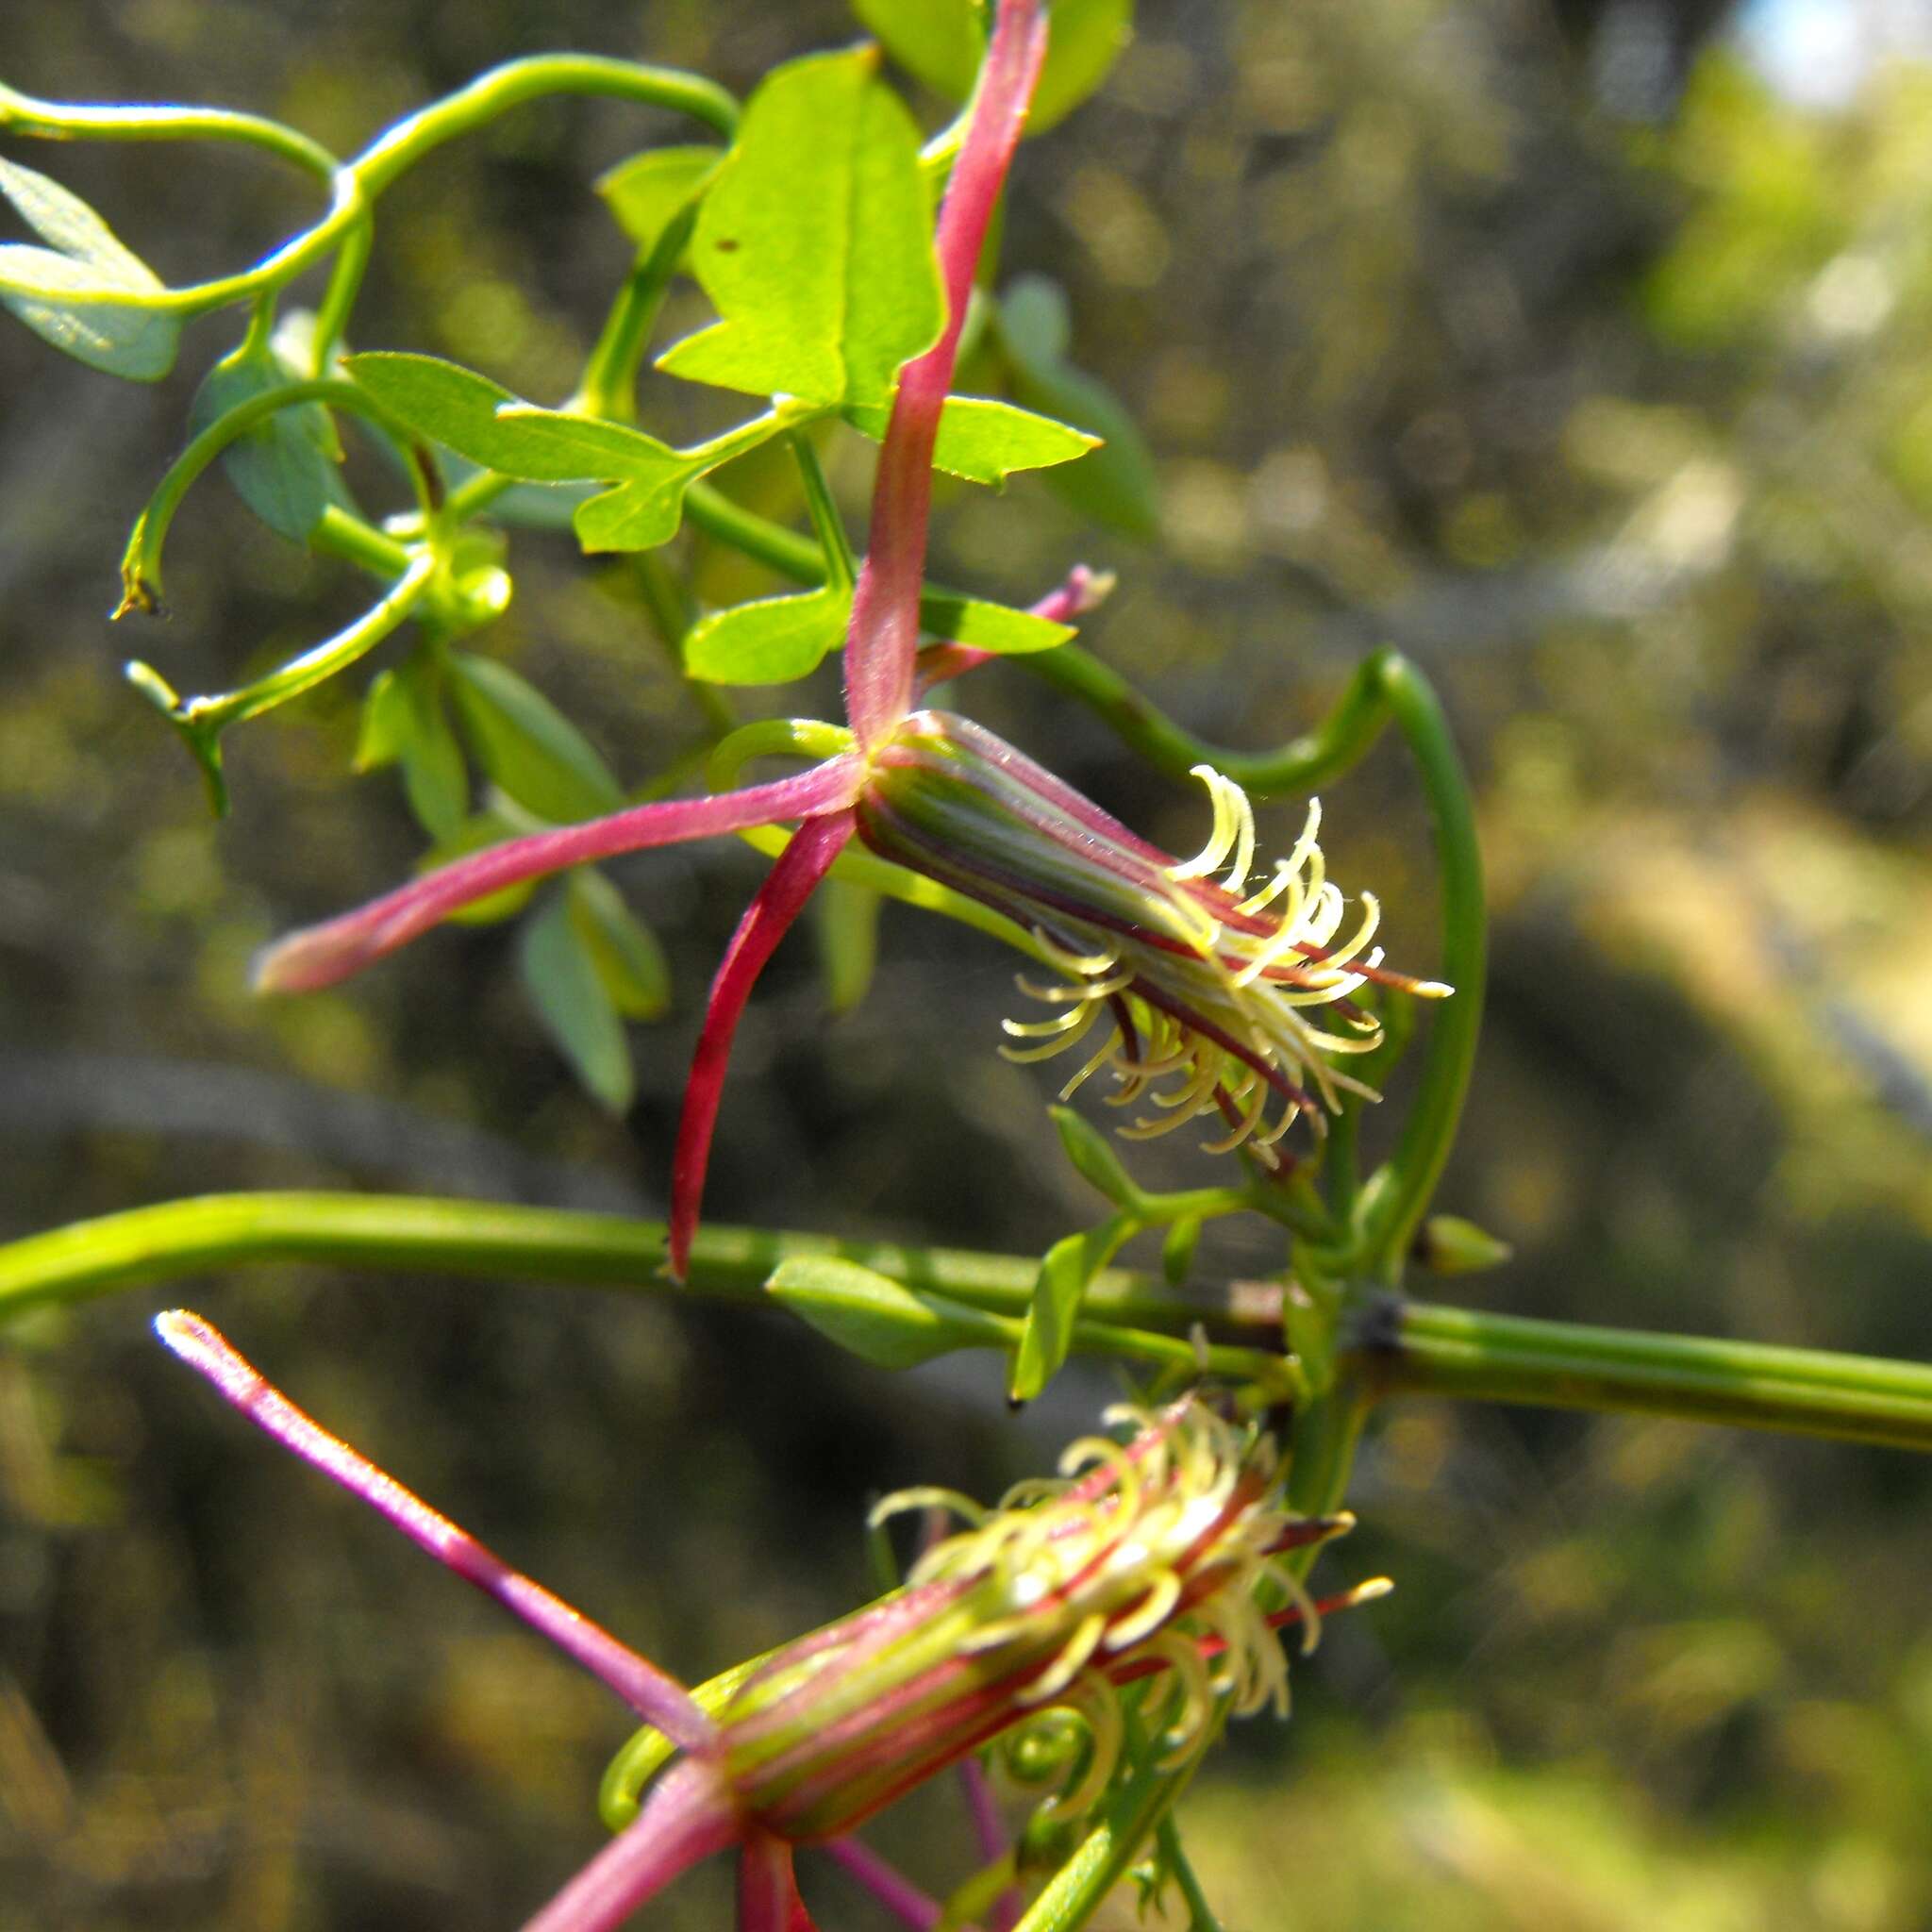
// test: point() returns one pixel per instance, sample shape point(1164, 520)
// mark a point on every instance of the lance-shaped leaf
point(403, 723)
point(815, 242)
point(47, 287)
point(880, 1320)
point(576, 1008)
point(985, 440)
point(527, 746)
point(1046, 1334)
point(988, 627)
point(487, 424)
point(285, 468)
point(941, 42)
point(629, 961)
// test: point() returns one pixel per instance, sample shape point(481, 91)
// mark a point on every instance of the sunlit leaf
point(985, 440)
point(1047, 1335)
point(47, 287)
point(988, 627)
point(770, 640)
point(879, 1320)
point(815, 242)
point(488, 426)
point(650, 190)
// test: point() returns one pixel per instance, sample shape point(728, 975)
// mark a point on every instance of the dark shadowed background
point(1546, 341)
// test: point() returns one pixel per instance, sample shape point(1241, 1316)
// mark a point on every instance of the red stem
point(885, 611)
point(786, 886)
point(686, 1817)
point(908, 1903)
point(320, 955)
point(768, 1899)
point(659, 1699)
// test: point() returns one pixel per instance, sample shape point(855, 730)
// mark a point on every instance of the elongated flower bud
point(1149, 1561)
point(1206, 989)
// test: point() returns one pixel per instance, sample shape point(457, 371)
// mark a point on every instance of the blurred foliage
point(1617, 416)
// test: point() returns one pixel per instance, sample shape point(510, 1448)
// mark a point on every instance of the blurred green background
point(1543, 338)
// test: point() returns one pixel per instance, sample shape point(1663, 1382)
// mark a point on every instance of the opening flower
point(1158, 1557)
point(1205, 987)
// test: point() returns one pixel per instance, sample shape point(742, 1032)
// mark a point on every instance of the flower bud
point(1143, 1559)
point(1206, 989)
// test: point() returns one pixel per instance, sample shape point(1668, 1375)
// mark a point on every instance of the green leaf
point(768, 640)
point(1451, 1245)
point(404, 723)
point(1092, 1155)
point(1047, 1335)
point(527, 745)
point(985, 440)
point(941, 42)
point(285, 469)
point(847, 925)
point(578, 1014)
point(879, 1320)
point(988, 627)
point(456, 407)
point(487, 424)
point(623, 948)
point(815, 242)
point(650, 190)
point(47, 287)
point(1177, 1251)
point(1116, 486)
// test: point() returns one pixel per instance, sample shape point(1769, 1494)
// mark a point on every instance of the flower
point(1140, 1559)
point(1202, 985)
point(1205, 989)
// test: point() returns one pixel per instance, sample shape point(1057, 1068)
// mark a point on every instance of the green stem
point(1200, 1913)
point(518, 81)
point(214, 714)
point(1416, 1348)
point(141, 567)
point(608, 388)
point(341, 533)
point(1079, 1888)
point(56, 121)
point(147, 1245)
point(1394, 1348)
point(1302, 764)
point(358, 183)
point(1403, 1187)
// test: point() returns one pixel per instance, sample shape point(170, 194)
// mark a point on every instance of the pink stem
point(321, 955)
point(788, 886)
point(885, 611)
point(768, 1899)
point(687, 1816)
point(662, 1700)
point(906, 1901)
point(989, 1833)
